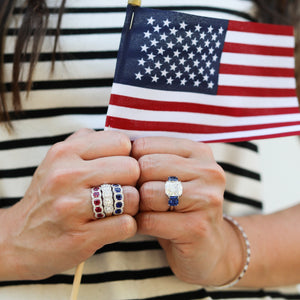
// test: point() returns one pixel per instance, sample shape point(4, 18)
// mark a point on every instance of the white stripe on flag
point(259, 39)
point(257, 81)
point(186, 97)
point(257, 60)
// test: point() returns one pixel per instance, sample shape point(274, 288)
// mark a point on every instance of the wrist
point(234, 258)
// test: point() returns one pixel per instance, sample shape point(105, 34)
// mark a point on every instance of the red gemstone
point(96, 194)
point(100, 215)
point(98, 209)
point(97, 202)
point(96, 188)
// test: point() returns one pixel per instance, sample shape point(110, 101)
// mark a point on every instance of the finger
point(177, 146)
point(110, 230)
point(173, 226)
point(153, 197)
point(80, 133)
point(80, 208)
point(96, 144)
point(122, 170)
point(161, 166)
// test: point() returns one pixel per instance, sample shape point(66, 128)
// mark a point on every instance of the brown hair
point(34, 25)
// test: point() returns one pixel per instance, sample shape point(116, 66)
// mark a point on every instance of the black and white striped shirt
point(76, 95)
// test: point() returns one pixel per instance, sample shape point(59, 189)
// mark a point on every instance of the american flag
point(202, 78)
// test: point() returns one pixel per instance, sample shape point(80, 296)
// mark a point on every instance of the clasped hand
point(52, 228)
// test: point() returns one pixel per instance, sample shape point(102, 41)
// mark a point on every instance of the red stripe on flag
point(143, 104)
point(256, 71)
point(254, 49)
point(255, 92)
point(260, 28)
point(129, 124)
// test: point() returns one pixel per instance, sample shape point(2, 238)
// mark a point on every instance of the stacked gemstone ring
point(107, 200)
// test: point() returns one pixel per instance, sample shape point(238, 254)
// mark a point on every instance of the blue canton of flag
point(167, 52)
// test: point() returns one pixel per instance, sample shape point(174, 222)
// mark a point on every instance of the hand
point(53, 227)
point(194, 236)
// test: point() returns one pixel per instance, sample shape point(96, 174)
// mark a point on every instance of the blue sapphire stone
point(173, 201)
point(117, 190)
point(119, 204)
point(172, 178)
point(119, 196)
point(118, 211)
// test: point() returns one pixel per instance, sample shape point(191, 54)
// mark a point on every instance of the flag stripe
point(250, 38)
point(130, 124)
point(144, 104)
point(255, 92)
point(219, 137)
point(260, 28)
point(256, 49)
point(258, 71)
point(268, 61)
point(185, 97)
point(220, 121)
point(257, 81)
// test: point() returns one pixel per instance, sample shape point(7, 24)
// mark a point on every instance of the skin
point(200, 246)
point(54, 229)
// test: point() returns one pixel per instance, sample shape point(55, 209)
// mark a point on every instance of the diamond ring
point(173, 189)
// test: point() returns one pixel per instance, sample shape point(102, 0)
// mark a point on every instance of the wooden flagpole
point(79, 268)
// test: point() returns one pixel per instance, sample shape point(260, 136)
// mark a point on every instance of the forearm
point(275, 248)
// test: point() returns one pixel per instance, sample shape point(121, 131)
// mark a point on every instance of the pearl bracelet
point(248, 254)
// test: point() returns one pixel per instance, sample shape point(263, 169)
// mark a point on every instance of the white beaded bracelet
point(248, 254)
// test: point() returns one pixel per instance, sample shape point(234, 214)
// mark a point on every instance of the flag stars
point(170, 80)
point(221, 30)
point(167, 59)
point(187, 69)
point(141, 62)
point(182, 61)
point(196, 63)
point(201, 71)
point(194, 42)
point(208, 64)
point(164, 73)
point(202, 35)
point(144, 48)
point(189, 33)
point(161, 51)
point(199, 49)
point(204, 57)
point(197, 83)
point(180, 39)
point(205, 77)
point(157, 28)
point(198, 28)
point(170, 45)
point(186, 47)
point(210, 29)
point(158, 64)
point(151, 56)
point(207, 43)
point(173, 67)
point(210, 85)
point(192, 76)
point(212, 71)
point(138, 76)
point(214, 37)
point(183, 25)
point(148, 70)
point(211, 50)
point(215, 57)
point(183, 81)
point(177, 53)
point(178, 74)
point(191, 55)
point(166, 23)
point(147, 34)
point(173, 31)
point(154, 42)
point(163, 37)
point(154, 78)
point(150, 21)
point(218, 44)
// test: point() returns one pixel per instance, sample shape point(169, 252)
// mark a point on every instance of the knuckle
point(122, 142)
point(58, 150)
point(147, 194)
point(146, 163)
point(133, 168)
point(128, 226)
